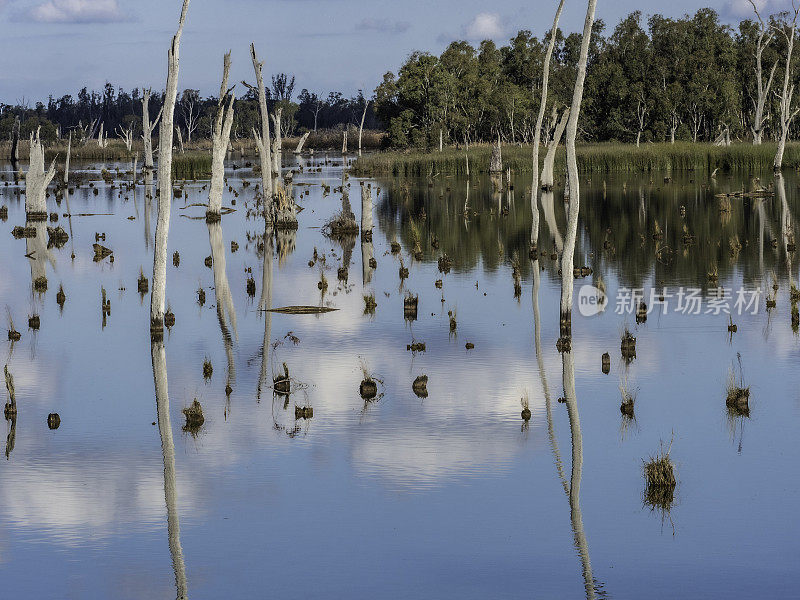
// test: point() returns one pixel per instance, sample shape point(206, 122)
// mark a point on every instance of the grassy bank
point(591, 158)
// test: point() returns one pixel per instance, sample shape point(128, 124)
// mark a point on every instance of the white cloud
point(742, 9)
point(77, 11)
point(484, 26)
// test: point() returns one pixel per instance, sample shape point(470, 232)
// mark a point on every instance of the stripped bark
point(344, 141)
point(159, 293)
point(262, 139)
point(277, 148)
point(567, 258)
point(37, 180)
point(220, 138)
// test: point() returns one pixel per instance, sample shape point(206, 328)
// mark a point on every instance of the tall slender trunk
point(277, 150)
point(787, 114)
point(537, 131)
point(220, 138)
point(361, 127)
point(567, 258)
point(262, 140)
point(159, 293)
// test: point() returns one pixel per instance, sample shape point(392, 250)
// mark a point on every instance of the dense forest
point(693, 78)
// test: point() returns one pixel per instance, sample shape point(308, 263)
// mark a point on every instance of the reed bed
point(591, 158)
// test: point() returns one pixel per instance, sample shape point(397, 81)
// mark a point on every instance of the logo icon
point(591, 301)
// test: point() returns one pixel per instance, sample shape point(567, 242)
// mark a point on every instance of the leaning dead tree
point(220, 138)
point(552, 146)
point(147, 128)
point(361, 129)
point(568, 256)
point(537, 131)
point(158, 296)
point(37, 180)
point(302, 141)
point(262, 139)
point(765, 35)
point(66, 162)
point(787, 28)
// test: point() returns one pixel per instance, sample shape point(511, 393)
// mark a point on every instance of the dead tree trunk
point(567, 258)
point(765, 35)
point(262, 140)
point(361, 129)
point(552, 147)
point(66, 161)
point(147, 128)
point(220, 138)
point(537, 132)
point(344, 141)
point(302, 141)
point(159, 293)
point(37, 180)
point(496, 162)
point(787, 114)
point(277, 149)
point(15, 143)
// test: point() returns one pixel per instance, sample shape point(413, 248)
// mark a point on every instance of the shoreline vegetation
point(591, 158)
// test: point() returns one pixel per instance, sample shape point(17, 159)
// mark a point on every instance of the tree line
point(693, 78)
point(117, 110)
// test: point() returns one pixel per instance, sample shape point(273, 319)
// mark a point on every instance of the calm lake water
point(446, 496)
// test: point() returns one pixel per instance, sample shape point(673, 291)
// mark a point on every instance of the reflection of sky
point(441, 497)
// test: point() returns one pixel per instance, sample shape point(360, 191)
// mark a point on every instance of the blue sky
point(59, 46)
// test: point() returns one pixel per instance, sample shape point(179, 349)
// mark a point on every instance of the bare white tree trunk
point(102, 138)
point(159, 293)
point(66, 161)
point(567, 257)
point(220, 138)
point(277, 149)
point(361, 129)
point(537, 131)
point(548, 178)
point(37, 180)
point(147, 128)
point(765, 35)
point(262, 140)
point(496, 162)
point(159, 359)
point(441, 142)
point(344, 141)
point(302, 141)
point(126, 135)
point(787, 114)
point(367, 250)
point(180, 139)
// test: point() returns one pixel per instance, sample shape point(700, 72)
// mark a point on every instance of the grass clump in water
point(660, 482)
